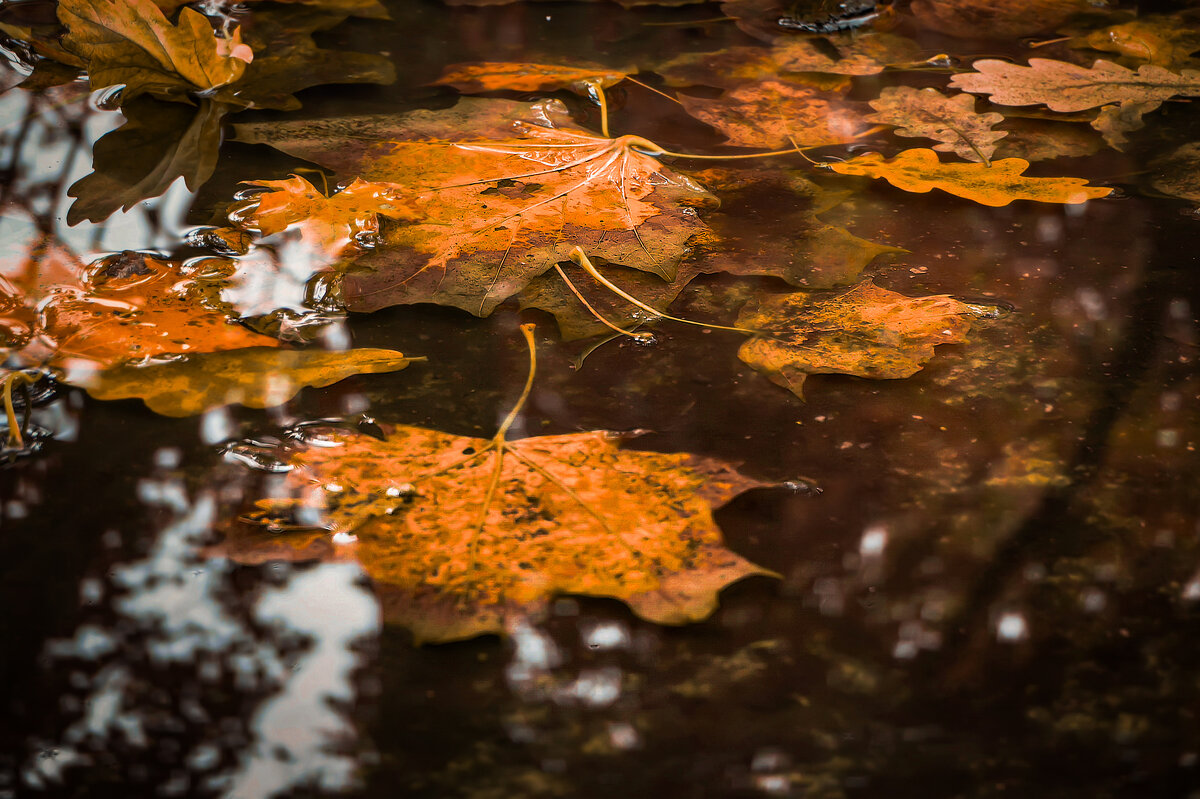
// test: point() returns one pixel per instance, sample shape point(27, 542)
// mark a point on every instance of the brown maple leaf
point(1062, 86)
point(865, 331)
point(464, 536)
point(927, 113)
point(995, 184)
point(504, 190)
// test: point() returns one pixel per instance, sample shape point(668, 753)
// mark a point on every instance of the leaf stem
point(16, 440)
point(527, 331)
point(620, 331)
point(596, 90)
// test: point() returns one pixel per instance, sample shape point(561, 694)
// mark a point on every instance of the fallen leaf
point(159, 143)
point(866, 331)
point(1062, 86)
point(1156, 38)
point(1042, 140)
point(929, 114)
point(1177, 174)
point(130, 43)
point(996, 18)
point(777, 114)
point(490, 76)
point(734, 67)
point(328, 225)
point(257, 377)
point(997, 184)
point(504, 190)
point(463, 538)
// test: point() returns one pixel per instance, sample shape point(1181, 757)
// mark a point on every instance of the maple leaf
point(996, 18)
point(464, 537)
point(328, 225)
point(927, 113)
point(504, 190)
point(257, 377)
point(775, 113)
point(490, 76)
point(996, 184)
point(131, 43)
point(866, 331)
point(1062, 86)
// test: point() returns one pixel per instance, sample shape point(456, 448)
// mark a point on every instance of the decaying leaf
point(490, 76)
point(866, 331)
point(927, 113)
point(1177, 173)
point(775, 114)
point(463, 538)
point(131, 43)
point(1042, 140)
point(328, 225)
point(996, 184)
point(504, 190)
point(1155, 38)
point(159, 143)
point(1063, 86)
point(258, 377)
point(996, 18)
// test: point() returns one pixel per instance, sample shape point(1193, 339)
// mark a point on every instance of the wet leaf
point(257, 377)
point(505, 190)
point(996, 18)
point(927, 113)
point(997, 184)
point(328, 225)
point(490, 76)
point(1158, 39)
point(463, 538)
point(866, 331)
point(777, 114)
point(1062, 86)
point(1042, 140)
point(159, 143)
point(358, 8)
point(1177, 173)
point(131, 43)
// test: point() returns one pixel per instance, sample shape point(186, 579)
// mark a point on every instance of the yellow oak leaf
point(996, 184)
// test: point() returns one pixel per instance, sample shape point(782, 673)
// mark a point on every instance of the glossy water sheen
point(996, 592)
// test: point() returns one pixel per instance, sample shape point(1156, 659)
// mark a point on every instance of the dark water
point(996, 592)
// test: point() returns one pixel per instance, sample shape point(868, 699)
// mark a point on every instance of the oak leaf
point(775, 113)
point(927, 113)
point(131, 43)
point(1062, 86)
point(489, 76)
point(996, 184)
point(328, 225)
point(463, 538)
point(1157, 39)
point(866, 331)
point(257, 377)
point(504, 190)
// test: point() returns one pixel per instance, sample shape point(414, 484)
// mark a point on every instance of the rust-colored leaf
point(1063, 86)
point(775, 113)
point(131, 43)
point(490, 76)
point(504, 190)
point(996, 18)
point(927, 113)
point(1157, 39)
point(463, 537)
point(866, 331)
point(328, 225)
point(995, 184)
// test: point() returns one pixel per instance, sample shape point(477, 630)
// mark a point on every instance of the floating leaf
point(1062, 86)
point(505, 190)
point(866, 331)
point(490, 76)
point(996, 18)
point(1177, 174)
point(777, 114)
point(997, 184)
point(463, 537)
point(159, 143)
point(328, 225)
point(130, 43)
point(257, 377)
point(1042, 140)
point(1158, 39)
point(927, 113)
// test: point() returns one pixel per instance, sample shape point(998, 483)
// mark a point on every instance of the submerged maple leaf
point(995, 184)
point(866, 331)
point(464, 536)
point(504, 190)
point(927, 113)
point(1063, 86)
point(775, 113)
point(490, 76)
point(131, 43)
